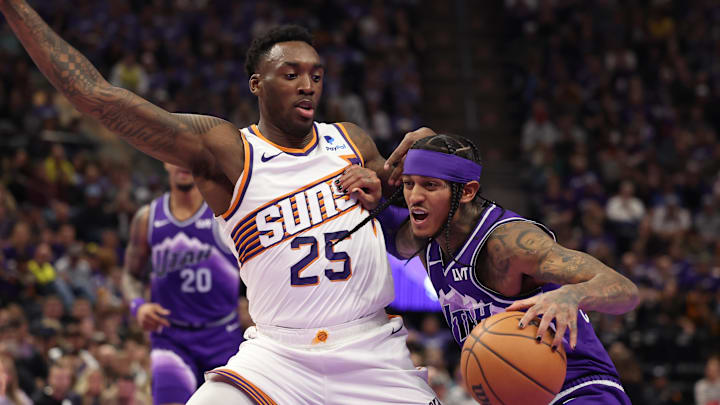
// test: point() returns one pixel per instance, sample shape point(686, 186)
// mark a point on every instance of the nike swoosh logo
point(266, 158)
point(160, 222)
point(434, 262)
point(232, 327)
point(396, 331)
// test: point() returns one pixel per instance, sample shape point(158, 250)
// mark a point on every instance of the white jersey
point(286, 211)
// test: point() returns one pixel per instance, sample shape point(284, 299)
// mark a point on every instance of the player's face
point(289, 86)
point(428, 200)
point(179, 177)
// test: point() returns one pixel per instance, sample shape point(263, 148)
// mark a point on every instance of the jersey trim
point(173, 219)
point(494, 294)
point(608, 383)
point(469, 239)
point(246, 175)
point(290, 151)
point(344, 133)
point(244, 385)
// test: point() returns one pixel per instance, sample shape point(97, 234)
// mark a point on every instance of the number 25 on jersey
point(297, 280)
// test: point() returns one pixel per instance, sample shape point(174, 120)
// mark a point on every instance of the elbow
point(633, 295)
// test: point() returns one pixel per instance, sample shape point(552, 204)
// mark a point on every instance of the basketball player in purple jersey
point(194, 288)
point(322, 335)
point(483, 259)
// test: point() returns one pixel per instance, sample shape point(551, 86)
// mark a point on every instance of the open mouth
point(418, 215)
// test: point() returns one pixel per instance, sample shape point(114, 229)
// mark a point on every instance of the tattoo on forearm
point(64, 66)
point(138, 121)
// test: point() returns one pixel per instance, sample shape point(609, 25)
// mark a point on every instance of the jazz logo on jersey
point(281, 219)
point(463, 312)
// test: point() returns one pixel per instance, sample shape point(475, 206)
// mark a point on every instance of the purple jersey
point(194, 275)
point(466, 301)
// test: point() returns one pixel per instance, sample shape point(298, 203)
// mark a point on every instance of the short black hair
point(263, 43)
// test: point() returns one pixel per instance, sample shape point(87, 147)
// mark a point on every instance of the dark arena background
point(598, 118)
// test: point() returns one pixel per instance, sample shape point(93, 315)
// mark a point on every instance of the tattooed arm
point(587, 283)
point(151, 316)
point(172, 138)
point(137, 255)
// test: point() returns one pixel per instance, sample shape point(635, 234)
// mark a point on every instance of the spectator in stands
point(59, 390)
point(10, 392)
point(707, 390)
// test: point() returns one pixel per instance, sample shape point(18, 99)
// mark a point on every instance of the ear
point(255, 83)
point(469, 191)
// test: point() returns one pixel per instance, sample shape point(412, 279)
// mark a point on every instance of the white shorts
point(361, 362)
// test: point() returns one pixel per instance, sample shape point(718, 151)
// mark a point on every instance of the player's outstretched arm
point(169, 137)
point(522, 248)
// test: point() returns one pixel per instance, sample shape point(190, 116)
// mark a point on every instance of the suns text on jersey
point(295, 213)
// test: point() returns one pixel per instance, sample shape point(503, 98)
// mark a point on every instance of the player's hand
point(561, 305)
point(397, 158)
point(152, 317)
point(362, 184)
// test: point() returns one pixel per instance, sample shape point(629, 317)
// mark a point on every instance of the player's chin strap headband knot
point(428, 163)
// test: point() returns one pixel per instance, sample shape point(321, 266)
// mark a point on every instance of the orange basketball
point(503, 364)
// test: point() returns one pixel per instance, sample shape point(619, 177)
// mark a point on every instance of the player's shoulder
point(143, 213)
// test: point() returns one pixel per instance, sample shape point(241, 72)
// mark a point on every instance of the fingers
point(544, 324)
point(396, 175)
point(531, 312)
point(573, 333)
point(521, 304)
point(398, 155)
point(559, 333)
point(357, 177)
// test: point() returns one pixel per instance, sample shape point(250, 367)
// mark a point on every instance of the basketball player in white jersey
point(322, 335)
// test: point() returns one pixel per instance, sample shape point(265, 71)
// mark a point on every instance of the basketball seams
point(482, 372)
point(517, 369)
point(559, 353)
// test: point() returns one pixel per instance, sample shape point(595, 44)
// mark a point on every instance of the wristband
point(135, 305)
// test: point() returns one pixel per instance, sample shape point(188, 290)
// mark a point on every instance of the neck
point(461, 226)
point(280, 137)
point(184, 204)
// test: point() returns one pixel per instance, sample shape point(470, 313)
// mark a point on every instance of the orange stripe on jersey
point(304, 150)
point(246, 386)
point(347, 137)
point(245, 178)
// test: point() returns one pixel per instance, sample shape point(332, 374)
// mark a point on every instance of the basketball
point(503, 364)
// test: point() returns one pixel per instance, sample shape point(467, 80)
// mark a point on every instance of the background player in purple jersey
point(483, 259)
point(194, 288)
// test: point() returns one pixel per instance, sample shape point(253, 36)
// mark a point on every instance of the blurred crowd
point(620, 141)
point(620, 109)
point(68, 189)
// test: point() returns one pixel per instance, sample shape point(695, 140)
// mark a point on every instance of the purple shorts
point(593, 390)
point(180, 356)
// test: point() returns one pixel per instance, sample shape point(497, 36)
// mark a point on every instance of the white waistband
point(324, 336)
